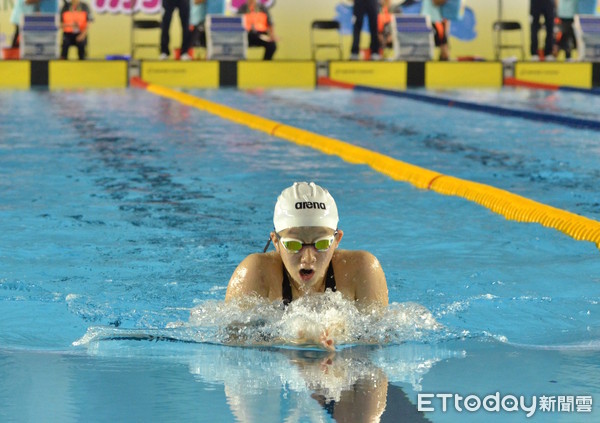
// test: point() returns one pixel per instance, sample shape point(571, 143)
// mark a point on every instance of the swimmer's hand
point(324, 339)
point(327, 340)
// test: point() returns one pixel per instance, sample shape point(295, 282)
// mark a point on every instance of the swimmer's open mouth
point(306, 274)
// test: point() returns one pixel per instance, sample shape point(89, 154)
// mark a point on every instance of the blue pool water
point(122, 212)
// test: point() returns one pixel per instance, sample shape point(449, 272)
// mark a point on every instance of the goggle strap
point(267, 246)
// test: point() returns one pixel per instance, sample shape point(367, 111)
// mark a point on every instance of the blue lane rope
point(592, 91)
point(495, 110)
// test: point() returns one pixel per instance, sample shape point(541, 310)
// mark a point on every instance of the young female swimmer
point(306, 260)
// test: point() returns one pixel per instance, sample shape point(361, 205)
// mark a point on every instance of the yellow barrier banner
point(375, 74)
point(15, 74)
point(563, 74)
point(87, 74)
point(180, 74)
point(278, 74)
point(463, 75)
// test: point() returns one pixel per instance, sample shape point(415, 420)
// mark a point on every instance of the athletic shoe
point(163, 56)
point(354, 56)
point(185, 57)
point(534, 58)
point(375, 56)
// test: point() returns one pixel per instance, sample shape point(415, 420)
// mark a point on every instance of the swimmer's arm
point(371, 286)
point(247, 279)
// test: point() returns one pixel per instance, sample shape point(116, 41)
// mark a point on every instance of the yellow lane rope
point(505, 203)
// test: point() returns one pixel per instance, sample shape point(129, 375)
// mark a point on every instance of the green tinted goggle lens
point(294, 245)
point(323, 244)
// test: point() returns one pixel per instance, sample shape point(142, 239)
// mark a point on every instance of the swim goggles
point(293, 245)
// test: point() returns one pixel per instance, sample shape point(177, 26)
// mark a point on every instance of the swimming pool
point(123, 210)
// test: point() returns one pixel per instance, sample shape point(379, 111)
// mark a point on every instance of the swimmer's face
point(308, 266)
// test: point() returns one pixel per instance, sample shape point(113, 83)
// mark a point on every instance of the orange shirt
point(74, 20)
point(256, 20)
point(384, 18)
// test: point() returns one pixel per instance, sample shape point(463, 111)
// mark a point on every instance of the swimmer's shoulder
point(265, 263)
point(360, 275)
point(258, 273)
point(354, 260)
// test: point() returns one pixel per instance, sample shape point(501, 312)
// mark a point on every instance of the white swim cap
point(305, 204)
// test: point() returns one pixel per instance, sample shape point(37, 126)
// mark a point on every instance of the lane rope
point(579, 123)
point(510, 205)
point(514, 82)
point(487, 108)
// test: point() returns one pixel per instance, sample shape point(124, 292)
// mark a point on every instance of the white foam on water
point(409, 329)
point(306, 320)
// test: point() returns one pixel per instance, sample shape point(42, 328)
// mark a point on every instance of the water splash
point(399, 344)
point(254, 321)
point(305, 322)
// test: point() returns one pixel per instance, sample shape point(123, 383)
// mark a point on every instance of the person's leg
point(444, 52)
point(15, 40)
point(202, 30)
point(195, 37)
point(558, 41)
point(569, 37)
point(548, 13)
point(184, 15)
point(358, 12)
point(387, 38)
point(445, 47)
point(372, 12)
point(255, 40)
point(81, 48)
point(270, 47)
point(168, 6)
point(67, 42)
point(534, 14)
point(440, 38)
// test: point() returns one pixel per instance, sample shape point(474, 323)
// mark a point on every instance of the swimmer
point(306, 260)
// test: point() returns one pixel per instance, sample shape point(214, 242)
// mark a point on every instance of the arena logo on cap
point(310, 205)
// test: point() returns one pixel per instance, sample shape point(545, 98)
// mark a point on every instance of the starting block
point(226, 37)
point(587, 32)
point(39, 39)
point(413, 40)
